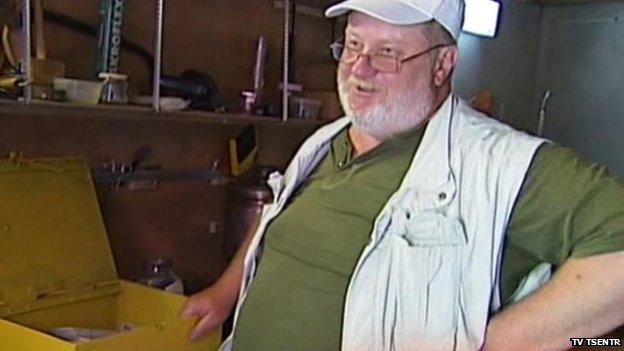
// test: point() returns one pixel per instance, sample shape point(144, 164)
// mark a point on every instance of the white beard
point(398, 114)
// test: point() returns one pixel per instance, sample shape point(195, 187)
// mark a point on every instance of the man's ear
point(444, 64)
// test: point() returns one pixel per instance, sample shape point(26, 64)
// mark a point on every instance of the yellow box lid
point(53, 245)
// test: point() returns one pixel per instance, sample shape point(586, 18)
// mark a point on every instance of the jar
point(243, 208)
point(115, 89)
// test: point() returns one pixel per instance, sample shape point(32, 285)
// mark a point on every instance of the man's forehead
point(373, 28)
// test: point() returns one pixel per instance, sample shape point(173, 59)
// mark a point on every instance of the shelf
point(144, 113)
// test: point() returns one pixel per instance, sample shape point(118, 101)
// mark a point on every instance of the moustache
point(352, 82)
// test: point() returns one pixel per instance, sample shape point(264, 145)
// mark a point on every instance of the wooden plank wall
point(184, 221)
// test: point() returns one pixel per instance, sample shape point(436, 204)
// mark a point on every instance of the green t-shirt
point(567, 208)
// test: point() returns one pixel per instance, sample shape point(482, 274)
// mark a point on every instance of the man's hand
point(212, 306)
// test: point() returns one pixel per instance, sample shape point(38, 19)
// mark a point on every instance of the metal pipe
point(258, 73)
point(286, 59)
point(157, 55)
point(27, 51)
point(253, 98)
point(542, 112)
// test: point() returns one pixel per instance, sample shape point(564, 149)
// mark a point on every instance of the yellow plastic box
point(57, 269)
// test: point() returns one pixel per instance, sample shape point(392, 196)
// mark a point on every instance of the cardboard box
point(57, 269)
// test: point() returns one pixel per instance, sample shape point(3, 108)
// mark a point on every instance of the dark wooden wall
point(184, 220)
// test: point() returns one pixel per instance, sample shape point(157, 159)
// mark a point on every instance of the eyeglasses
point(380, 62)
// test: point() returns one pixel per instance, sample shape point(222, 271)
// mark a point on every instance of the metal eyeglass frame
point(338, 48)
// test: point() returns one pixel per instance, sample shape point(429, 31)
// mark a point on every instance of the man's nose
point(362, 67)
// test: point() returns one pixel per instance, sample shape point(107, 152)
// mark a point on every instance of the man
point(416, 223)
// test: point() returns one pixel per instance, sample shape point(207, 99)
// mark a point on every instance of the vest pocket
point(426, 257)
point(433, 230)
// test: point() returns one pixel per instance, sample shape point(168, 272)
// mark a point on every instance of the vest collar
point(430, 175)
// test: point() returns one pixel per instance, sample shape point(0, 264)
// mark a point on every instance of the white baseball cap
point(448, 13)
